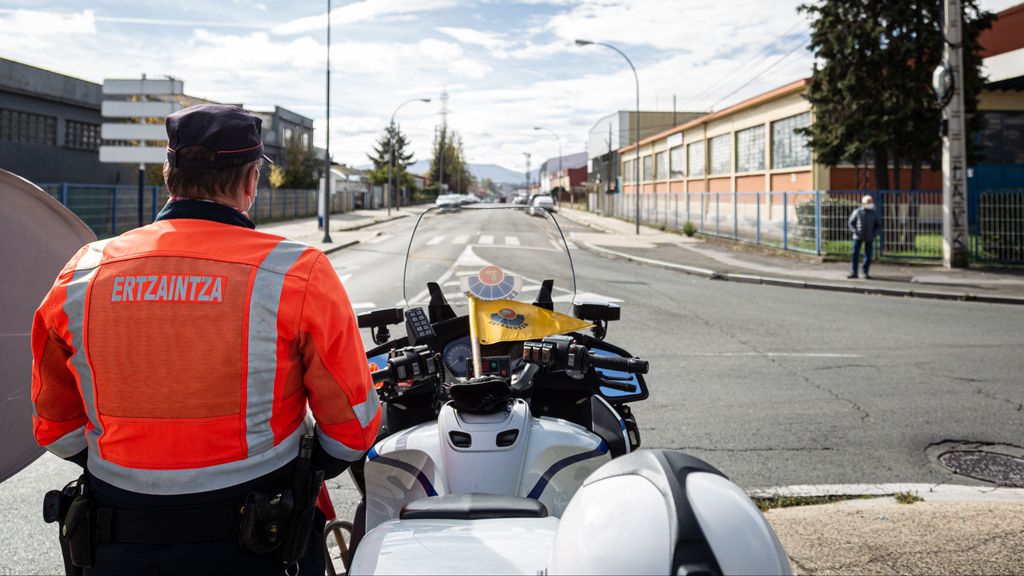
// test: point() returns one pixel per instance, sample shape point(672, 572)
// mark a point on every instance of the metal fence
point(815, 222)
point(112, 210)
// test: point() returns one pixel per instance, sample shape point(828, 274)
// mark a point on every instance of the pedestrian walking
point(865, 223)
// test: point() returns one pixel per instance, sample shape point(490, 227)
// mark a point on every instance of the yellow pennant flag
point(493, 321)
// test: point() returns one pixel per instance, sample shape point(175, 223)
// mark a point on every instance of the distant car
point(521, 200)
point(447, 202)
point(544, 202)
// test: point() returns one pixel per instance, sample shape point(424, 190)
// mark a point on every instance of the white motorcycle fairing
point(508, 453)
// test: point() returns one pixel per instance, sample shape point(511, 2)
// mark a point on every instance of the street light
point(636, 179)
point(327, 148)
point(391, 156)
point(559, 148)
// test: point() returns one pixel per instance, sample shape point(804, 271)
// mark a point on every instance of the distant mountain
point(498, 174)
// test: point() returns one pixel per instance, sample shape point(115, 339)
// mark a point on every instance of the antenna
point(444, 107)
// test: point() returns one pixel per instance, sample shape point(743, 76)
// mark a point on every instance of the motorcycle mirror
point(596, 311)
point(380, 317)
point(40, 236)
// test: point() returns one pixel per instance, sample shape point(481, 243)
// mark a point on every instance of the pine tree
point(391, 150)
point(456, 171)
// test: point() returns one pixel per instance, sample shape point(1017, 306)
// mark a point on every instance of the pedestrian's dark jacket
point(865, 224)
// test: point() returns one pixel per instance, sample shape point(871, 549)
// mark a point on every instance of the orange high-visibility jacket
point(183, 355)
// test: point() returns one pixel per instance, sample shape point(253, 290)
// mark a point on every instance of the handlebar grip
point(384, 375)
point(630, 365)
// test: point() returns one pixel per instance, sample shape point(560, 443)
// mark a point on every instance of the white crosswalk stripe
point(512, 240)
point(344, 278)
point(486, 239)
point(460, 239)
point(435, 240)
point(363, 305)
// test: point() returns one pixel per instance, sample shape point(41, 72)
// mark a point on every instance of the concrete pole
point(327, 147)
point(954, 149)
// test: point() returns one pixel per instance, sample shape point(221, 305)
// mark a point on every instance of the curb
point(812, 285)
point(929, 492)
point(348, 244)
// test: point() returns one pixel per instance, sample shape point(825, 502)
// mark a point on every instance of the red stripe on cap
point(242, 150)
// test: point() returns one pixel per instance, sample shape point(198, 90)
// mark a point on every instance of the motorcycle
point(507, 442)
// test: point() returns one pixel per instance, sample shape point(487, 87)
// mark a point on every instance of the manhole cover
point(1000, 469)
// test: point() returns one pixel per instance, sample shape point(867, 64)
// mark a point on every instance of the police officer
point(175, 363)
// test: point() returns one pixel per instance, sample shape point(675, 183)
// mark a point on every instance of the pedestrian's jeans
point(869, 248)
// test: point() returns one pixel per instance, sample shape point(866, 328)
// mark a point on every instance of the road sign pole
point(954, 168)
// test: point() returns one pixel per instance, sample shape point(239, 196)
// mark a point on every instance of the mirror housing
point(596, 311)
point(380, 317)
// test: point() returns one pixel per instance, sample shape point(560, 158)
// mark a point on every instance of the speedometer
point(456, 355)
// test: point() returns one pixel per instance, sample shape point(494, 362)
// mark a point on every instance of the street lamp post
point(391, 155)
point(327, 148)
point(559, 148)
point(636, 78)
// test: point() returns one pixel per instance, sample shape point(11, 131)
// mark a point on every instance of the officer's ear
point(252, 180)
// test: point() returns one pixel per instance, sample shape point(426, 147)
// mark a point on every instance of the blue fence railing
point(111, 210)
point(816, 221)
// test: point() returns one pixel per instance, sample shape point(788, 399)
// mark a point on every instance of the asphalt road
point(774, 386)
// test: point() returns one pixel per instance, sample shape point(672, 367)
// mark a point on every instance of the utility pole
point(950, 79)
point(527, 154)
point(327, 147)
point(444, 142)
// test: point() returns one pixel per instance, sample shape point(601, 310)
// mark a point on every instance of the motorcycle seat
point(472, 507)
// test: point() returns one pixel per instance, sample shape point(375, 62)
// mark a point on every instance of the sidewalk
point(881, 536)
point(346, 229)
point(739, 262)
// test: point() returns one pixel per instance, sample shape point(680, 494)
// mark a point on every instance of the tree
point(872, 90)
point(298, 169)
point(391, 149)
point(456, 171)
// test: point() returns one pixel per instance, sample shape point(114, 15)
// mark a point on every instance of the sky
point(507, 65)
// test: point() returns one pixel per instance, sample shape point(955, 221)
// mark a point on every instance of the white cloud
point(361, 11)
point(475, 37)
point(468, 68)
point(34, 30)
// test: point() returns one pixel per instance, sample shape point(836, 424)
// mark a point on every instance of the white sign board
point(142, 87)
point(134, 132)
point(133, 154)
point(116, 109)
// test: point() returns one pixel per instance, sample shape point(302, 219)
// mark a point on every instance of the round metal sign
point(39, 236)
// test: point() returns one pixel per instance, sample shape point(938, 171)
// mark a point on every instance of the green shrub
point(689, 229)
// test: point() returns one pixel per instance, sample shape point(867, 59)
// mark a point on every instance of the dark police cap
point(231, 132)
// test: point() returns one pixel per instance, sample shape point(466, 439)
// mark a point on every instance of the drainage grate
point(986, 465)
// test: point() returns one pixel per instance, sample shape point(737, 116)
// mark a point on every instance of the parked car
point(544, 202)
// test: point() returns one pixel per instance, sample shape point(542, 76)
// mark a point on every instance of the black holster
point(75, 513)
point(282, 522)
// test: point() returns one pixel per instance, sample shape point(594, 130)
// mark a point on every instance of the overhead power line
point(760, 74)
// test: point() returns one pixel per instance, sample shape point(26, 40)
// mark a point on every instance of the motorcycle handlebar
point(383, 376)
point(629, 365)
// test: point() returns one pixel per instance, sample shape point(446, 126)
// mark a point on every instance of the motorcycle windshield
point(498, 252)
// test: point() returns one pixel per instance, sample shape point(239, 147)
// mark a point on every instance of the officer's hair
point(205, 183)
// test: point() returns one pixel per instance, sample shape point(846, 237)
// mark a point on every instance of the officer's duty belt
point(122, 526)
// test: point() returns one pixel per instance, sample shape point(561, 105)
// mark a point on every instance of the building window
point(288, 133)
point(677, 162)
point(627, 171)
point(1001, 140)
point(721, 154)
point(27, 128)
point(790, 149)
point(81, 135)
point(305, 139)
point(695, 158)
point(648, 168)
point(661, 166)
point(750, 149)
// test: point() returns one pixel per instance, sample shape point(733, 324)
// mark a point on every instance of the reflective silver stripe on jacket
point(69, 444)
point(262, 343)
point(74, 308)
point(367, 410)
point(337, 449)
point(169, 482)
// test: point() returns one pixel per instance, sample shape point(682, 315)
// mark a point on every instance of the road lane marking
point(363, 305)
point(378, 238)
point(512, 240)
point(486, 239)
point(344, 278)
point(460, 239)
point(435, 240)
point(771, 354)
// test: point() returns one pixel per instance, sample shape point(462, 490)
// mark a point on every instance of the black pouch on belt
point(306, 483)
point(265, 520)
point(80, 527)
point(56, 504)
